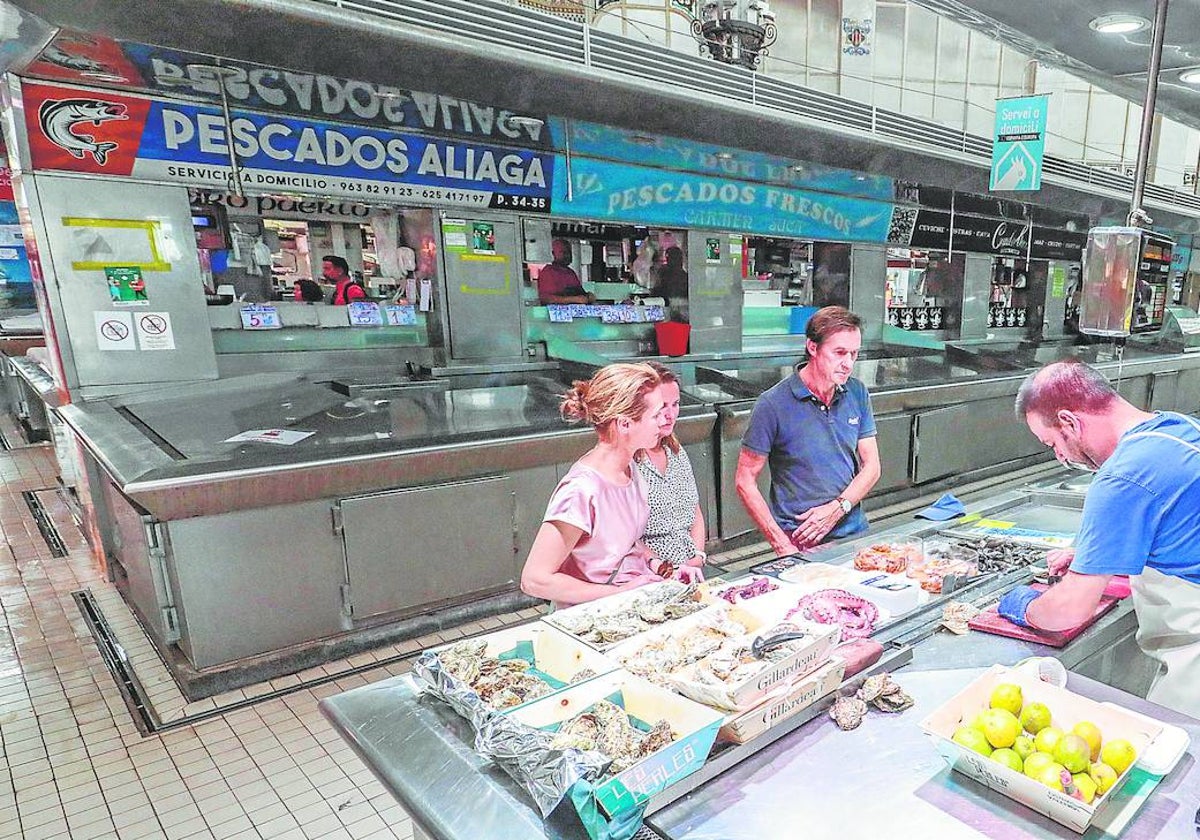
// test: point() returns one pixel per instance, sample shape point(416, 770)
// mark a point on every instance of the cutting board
point(990, 621)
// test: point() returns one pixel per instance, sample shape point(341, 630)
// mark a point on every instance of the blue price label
point(401, 316)
point(364, 314)
point(260, 318)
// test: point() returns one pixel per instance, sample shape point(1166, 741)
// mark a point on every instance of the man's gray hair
point(1068, 385)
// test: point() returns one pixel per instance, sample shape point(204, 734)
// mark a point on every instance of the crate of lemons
point(1054, 750)
point(1022, 736)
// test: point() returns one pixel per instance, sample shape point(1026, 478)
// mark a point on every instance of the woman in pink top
point(590, 544)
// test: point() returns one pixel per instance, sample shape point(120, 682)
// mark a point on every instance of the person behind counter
point(672, 278)
point(558, 282)
point(818, 433)
point(346, 289)
point(590, 542)
point(675, 530)
point(1141, 517)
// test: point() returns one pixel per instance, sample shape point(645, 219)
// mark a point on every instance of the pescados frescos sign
point(639, 195)
point(82, 130)
point(126, 65)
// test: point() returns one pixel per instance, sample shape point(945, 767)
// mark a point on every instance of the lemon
point(1023, 746)
point(1009, 759)
point(1072, 752)
point(1103, 775)
point(972, 739)
point(1035, 763)
point(1089, 732)
point(1047, 738)
point(1086, 786)
point(1118, 754)
point(1001, 727)
point(1007, 696)
point(1035, 717)
point(1051, 776)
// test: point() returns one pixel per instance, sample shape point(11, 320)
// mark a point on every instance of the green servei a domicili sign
point(1019, 143)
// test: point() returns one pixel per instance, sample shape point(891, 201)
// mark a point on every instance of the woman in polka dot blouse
point(675, 530)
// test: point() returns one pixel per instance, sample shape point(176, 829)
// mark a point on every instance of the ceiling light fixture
point(1119, 24)
point(1190, 77)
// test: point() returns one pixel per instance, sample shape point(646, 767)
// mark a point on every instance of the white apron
point(1168, 614)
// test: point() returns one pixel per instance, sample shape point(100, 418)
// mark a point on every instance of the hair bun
point(574, 402)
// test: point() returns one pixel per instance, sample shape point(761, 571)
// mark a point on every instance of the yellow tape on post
point(492, 258)
point(151, 227)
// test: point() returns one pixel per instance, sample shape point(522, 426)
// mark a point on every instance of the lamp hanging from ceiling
point(735, 31)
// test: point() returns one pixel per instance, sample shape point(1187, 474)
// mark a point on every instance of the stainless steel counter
point(885, 779)
point(817, 782)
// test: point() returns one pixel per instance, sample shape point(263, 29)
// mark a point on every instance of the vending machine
point(1126, 281)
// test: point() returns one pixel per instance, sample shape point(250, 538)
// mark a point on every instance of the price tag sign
point(401, 316)
point(364, 313)
point(260, 318)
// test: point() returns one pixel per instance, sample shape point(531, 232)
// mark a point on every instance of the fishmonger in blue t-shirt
point(1141, 518)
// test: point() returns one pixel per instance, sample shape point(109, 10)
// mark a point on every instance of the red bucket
point(672, 337)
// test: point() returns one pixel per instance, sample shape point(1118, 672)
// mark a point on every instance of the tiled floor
point(72, 762)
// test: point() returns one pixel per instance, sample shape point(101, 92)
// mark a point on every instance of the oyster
point(848, 712)
point(884, 693)
point(500, 683)
point(651, 606)
point(605, 727)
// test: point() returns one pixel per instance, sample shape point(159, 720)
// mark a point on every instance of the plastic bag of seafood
point(709, 657)
point(1069, 709)
point(508, 668)
point(856, 615)
point(783, 702)
point(608, 621)
point(653, 737)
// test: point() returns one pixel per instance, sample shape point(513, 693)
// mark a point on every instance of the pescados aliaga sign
point(102, 132)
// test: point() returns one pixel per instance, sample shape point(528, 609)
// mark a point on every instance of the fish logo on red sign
point(59, 118)
point(82, 130)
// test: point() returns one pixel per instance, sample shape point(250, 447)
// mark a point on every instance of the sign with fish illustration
point(102, 132)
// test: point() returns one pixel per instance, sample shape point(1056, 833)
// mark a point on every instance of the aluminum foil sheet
point(547, 774)
point(524, 752)
point(433, 678)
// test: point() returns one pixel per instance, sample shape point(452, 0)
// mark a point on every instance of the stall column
point(977, 287)
point(868, 270)
point(714, 291)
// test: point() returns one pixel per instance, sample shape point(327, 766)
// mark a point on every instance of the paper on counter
point(283, 437)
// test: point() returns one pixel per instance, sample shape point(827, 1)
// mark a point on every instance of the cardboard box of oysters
point(654, 737)
point(1061, 754)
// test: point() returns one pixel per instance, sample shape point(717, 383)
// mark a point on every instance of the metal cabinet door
point(939, 446)
point(410, 549)
point(1164, 391)
point(483, 290)
point(894, 438)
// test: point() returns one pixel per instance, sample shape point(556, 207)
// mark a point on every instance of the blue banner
point(188, 143)
point(605, 142)
point(313, 95)
point(1019, 143)
point(640, 195)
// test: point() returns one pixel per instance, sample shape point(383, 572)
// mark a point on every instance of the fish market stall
point(804, 771)
point(800, 768)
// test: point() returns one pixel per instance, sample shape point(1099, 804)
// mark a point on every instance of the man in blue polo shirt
point(1141, 518)
point(817, 432)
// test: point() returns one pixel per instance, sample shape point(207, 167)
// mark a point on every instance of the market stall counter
point(345, 506)
point(835, 784)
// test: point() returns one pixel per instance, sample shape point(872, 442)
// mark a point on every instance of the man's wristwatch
point(844, 504)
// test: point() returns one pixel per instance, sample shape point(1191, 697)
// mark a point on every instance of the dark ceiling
point(1057, 32)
